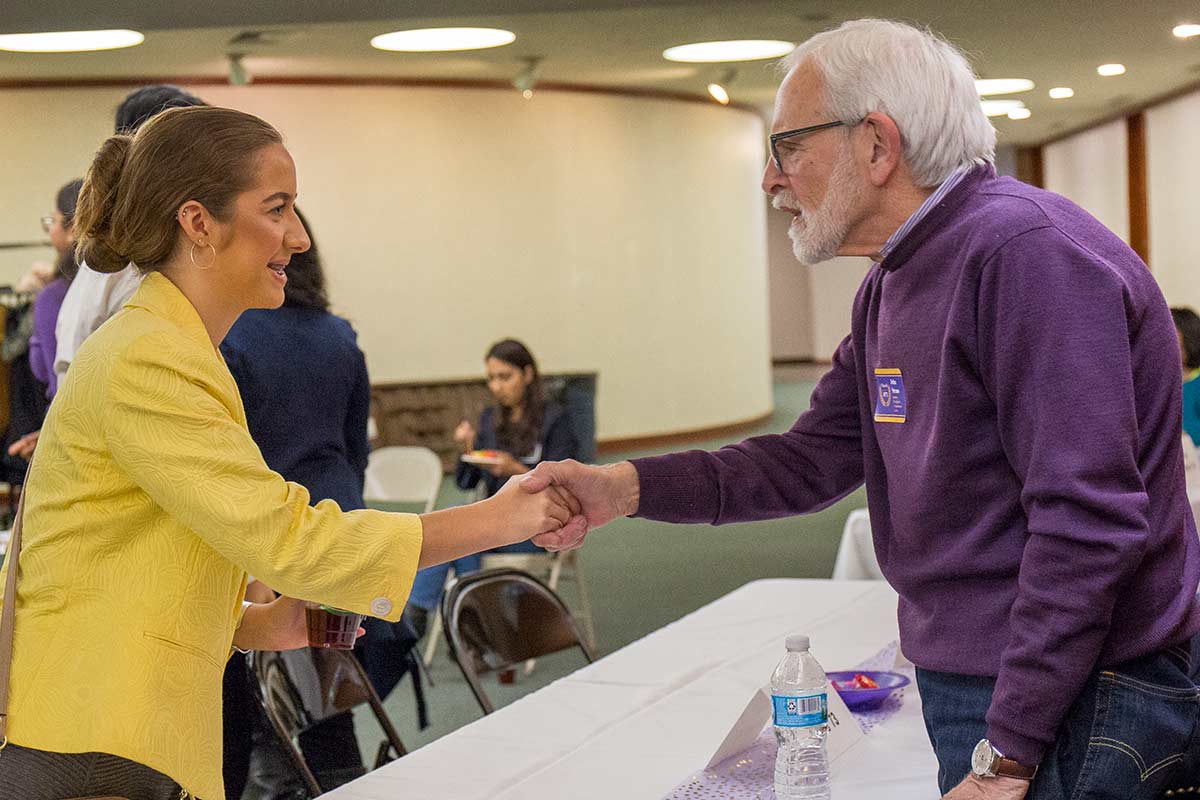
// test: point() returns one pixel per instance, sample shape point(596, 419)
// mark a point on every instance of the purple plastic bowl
point(867, 699)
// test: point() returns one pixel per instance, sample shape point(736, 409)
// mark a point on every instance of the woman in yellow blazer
point(148, 502)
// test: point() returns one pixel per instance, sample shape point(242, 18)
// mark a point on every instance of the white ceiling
point(619, 44)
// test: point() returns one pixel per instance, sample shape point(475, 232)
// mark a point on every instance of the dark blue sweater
point(304, 384)
point(1009, 393)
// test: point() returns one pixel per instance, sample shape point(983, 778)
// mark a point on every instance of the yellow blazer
point(147, 504)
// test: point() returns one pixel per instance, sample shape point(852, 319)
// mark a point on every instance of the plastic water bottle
point(801, 717)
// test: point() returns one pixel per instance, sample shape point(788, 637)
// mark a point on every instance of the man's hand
point(24, 446)
point(975, 788)
point(604, 493)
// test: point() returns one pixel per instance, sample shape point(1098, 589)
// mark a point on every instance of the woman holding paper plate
point(521, 430)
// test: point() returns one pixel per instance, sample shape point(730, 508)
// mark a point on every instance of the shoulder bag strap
point(8, 617)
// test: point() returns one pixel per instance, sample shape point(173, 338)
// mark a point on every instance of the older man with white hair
point(1009, 393)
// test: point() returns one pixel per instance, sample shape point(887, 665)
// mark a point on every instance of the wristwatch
point(988, 762)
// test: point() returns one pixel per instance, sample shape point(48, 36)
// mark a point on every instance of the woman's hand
point(278, 625)
point(25, 446)
point(507, 467)
point(464, 435)
point(521, 515)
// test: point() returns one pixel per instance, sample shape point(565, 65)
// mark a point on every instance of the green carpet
point(641, 575)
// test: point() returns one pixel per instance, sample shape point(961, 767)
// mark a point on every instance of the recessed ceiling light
point(1111, 70)
point(1186, 30)
point(990, 86)
point(1020, 113)
point(998, 108)
point(718, 93)
point(1061, 92)
point(739, 50)
point(439, 40)
point(70, 41)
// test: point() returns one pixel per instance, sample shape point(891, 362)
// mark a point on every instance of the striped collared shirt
point(918, 215)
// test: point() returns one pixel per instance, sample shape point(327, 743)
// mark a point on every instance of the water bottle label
point(800, 712)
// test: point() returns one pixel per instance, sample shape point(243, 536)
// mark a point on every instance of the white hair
point(920, 80)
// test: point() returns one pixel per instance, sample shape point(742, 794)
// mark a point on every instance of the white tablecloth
point(640, 721)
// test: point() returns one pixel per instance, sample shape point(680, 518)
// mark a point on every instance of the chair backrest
point(856, 558)
point(500, 617)
point(403, 475)
point(302, 688)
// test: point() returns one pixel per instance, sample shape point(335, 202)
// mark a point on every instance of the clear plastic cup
point(331, 628)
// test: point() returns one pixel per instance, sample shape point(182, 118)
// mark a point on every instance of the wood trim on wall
point(1139, 201)
point(1031, 166)
point(368, 80)
point(731, 431)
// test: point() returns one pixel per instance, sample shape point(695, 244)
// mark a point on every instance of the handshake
point(560, 501)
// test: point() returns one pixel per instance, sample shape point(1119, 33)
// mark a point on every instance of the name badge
point(890, 401)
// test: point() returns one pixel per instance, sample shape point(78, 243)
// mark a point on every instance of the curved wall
point(619, 234)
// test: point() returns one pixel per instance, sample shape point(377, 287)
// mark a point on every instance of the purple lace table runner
point(750, 775)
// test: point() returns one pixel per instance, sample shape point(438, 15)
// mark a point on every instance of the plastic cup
point(331, 628)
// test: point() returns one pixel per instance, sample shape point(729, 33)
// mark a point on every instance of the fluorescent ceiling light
point(1020, 113)
point(990, 86)
point(1061, 92)
point(438, 40)
point(1111, 70)
point(718, 93)
point(70, 41)
point(998, 108)
point(1186, 31)
point(740, 50)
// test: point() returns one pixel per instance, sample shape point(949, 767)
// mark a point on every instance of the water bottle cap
point(797, 643)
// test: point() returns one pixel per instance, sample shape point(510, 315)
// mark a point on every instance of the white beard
point(818, 235)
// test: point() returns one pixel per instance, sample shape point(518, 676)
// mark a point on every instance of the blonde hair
point(136, 184)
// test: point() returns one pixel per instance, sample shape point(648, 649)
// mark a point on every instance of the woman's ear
point(528, 373)
point(197, 224)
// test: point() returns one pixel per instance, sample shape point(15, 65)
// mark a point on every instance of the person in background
point(304, 385)
point(45, 308)
point(27, 401)
point(148, 501)
point(93, 296)
point(43, 344)
point(525, 429)
point(1187, 327)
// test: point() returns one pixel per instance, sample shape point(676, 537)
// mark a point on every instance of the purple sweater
point(1010, 394)
point(43, 344)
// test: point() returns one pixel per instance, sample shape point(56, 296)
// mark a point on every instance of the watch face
point(981, 758)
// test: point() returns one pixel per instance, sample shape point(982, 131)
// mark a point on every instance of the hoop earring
point(192, 255)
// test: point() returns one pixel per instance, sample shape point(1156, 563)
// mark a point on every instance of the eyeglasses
point(47, 222)
point(776, 138)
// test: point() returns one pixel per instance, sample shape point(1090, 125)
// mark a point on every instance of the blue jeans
point(1130, 735)
point(427, 586)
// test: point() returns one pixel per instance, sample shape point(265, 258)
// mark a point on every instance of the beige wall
point(791, 293)
point(623, 235)
point(1173, 173)
point(1092, 169)
point(834, 285)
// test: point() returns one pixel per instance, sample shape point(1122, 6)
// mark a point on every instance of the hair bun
point(99, 246)
point(98, 255)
